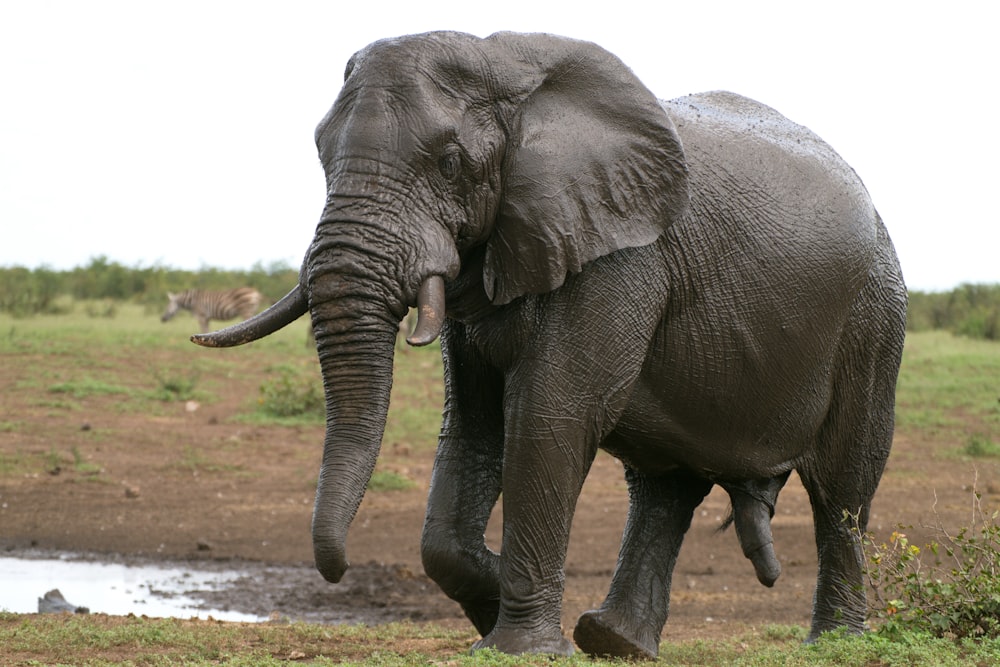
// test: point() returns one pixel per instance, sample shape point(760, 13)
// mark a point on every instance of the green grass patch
point(292, 393)
point(948, 387)
point(14, 463)
point(980, 446)
point(387, 480)
point(52, 461)
point(195, 461)
point(87, 386)
point(176, 384)
point(107, 640)
point(414, 419)
point(83, 466)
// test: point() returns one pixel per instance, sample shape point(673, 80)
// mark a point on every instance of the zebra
point(225, 305)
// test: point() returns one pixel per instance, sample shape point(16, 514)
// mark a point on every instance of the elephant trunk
point(356, 360)
point(356, 341)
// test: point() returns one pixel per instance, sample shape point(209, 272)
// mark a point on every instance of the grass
point(19, 463)
point(195, 461)
point(13, 463)
point(87, 386)
point(176, 384)
point(981, 446)
point(105, 640)
point(387, 480)
point(948, 391)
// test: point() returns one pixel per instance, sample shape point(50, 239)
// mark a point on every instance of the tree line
point(43, 291)
point(969, 310)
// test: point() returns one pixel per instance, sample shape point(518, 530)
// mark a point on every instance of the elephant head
point(484, 169)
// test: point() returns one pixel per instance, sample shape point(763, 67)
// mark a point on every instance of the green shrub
point(291, 395)
point(968, 310)
point(387, 480)
point(981, 446)
point(956, 596)
point(174, 385)
point(104, 308)
point(87, 387)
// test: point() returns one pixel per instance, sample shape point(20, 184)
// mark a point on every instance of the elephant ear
point(593, 165)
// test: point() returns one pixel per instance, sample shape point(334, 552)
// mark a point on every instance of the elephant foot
point(597, 636)
point(519, 641)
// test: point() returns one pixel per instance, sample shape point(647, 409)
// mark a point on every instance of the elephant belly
point(739, 427)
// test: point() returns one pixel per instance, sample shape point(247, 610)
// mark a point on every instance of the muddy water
point(227, 589)
point(114, 588)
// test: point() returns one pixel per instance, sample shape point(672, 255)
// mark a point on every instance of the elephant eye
point(450, 165)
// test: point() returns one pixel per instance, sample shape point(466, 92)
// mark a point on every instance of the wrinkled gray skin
point(700, 287)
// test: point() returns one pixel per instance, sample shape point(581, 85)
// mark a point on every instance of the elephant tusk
point(430, 312)
point(288, 309)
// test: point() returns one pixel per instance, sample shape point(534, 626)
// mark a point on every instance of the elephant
point(700, 287)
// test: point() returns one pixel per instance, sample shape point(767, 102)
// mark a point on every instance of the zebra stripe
point(241, 302)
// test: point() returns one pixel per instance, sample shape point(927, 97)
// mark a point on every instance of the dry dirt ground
point(195, 486)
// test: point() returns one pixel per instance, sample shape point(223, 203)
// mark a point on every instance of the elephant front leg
point(465, 484)
point(629, 623)
point(464, 488)
point(545, 464)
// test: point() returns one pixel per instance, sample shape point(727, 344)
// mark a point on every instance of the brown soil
point(193, 485)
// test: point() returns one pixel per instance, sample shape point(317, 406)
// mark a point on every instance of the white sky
point(181, 133)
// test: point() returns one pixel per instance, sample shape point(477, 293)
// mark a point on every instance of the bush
point(290, 395)
point(25, 292)
point(172, 385)
point(387, 480)
point(957, 596)
point(981, 446)
point(968, 310)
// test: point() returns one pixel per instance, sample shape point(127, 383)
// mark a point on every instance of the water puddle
point(112, 588)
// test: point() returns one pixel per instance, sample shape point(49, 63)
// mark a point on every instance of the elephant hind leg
point(853, 446)
point(629, 622)
point(753, 506)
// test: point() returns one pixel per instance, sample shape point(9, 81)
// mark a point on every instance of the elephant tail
point(286, 310)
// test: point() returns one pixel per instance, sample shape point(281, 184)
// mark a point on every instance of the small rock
point(85, 426)
point(53, 602)
point(191, 406)
point(203, 545)
point(131, 491)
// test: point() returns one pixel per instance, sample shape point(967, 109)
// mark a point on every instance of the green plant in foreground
point(956, 596)
point(387, 480)
point(87, 387)
point(175, 386)
point(289, 395)
point(195, 461)
point(981, 446)
point(81, 466)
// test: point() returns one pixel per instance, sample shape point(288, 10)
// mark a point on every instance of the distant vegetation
point(967, 310)
point(44, 291)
